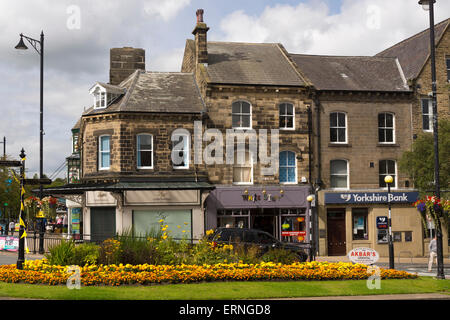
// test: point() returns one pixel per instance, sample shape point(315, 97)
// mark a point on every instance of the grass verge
point(226, 290)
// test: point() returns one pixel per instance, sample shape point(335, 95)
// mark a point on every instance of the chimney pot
point(199, 14)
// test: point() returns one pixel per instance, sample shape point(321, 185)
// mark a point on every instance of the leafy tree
point(419, 162)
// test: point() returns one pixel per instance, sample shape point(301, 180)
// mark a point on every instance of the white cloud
point(363, 27)
point(165, 9)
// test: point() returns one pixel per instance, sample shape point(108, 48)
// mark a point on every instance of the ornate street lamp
point(388, 180)
point(38, 45)
point(428, 5)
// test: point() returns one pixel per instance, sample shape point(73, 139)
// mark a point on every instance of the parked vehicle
point(264, 240)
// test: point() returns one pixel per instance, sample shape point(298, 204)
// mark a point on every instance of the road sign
point(37, 181)
point(10, 163)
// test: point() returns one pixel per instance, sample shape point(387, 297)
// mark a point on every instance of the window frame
point(285, 116)
point(241, 114)
point(287, 167)
point(337, 127)
point(364, 213)
point(138, 150)
point(394, 175)
point(236, 165)
point(386, 128)
point(429, 114)
point(447, 64)
point(187, 151)
point(348, 174)
point(101, 152)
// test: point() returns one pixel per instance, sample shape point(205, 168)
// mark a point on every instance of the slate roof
point(413, 52)
point(250, 64)
point(351, 73)
point(156, 92)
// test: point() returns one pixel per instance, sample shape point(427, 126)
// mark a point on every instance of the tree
point(420, 161)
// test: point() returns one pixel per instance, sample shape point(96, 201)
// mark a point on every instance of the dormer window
point(105, 94)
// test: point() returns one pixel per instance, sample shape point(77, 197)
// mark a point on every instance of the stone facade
point(362, 150)
point(123, 129)
point(423, 84)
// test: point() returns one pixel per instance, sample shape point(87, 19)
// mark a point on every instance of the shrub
point(279, 255)
point(109, 252)
point(85, 254)
point(134, 250)
point(61, 254)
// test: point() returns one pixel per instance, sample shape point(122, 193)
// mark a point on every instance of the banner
point(9, 243)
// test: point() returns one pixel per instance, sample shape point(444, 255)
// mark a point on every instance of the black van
point(264, 240)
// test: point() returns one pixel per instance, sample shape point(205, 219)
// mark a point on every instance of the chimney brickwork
point(201, 48)
point(123, 62)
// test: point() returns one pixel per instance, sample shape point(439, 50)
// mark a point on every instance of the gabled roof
point(108, 87)
point(250, 64)
point(156, 92)
point(413, 52)
point(352, 73)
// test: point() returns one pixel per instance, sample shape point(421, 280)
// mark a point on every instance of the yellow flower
point(208, 232)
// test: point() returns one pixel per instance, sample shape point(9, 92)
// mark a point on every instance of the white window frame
point(100, 152)
point(338, 127)
point(395, 176)
point(286, 166)
point(139, 150)
point(243, 166)
point(241, 114)
point(348, 175)
point(429, 114)
point(393, 128)
point(187, 139)
point(286, 116)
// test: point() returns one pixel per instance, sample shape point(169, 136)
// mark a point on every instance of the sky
point(79, 34)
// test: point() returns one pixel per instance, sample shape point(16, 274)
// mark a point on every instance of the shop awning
point(122, 186)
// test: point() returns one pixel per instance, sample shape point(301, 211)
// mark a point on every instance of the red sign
point(293, 233)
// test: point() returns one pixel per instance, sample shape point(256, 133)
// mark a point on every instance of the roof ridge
point(250, 43)
point(339, 56)
point(134, 77)
point(416, 35)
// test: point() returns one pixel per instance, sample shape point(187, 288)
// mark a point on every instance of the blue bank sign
point(371, 197)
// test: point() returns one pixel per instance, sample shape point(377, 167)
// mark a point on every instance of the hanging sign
point(382, 222)
point(363, 255)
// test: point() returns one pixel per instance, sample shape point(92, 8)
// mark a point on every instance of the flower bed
point(39, 271)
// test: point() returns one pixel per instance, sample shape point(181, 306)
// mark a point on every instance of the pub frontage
point(282, 211)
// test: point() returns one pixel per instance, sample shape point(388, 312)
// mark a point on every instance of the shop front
point(281, 211)
point(349, 220)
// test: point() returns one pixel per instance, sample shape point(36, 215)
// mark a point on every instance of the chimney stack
point(201, 47)
point(123, 62)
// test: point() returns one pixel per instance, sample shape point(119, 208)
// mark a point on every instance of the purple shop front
point(282, 211)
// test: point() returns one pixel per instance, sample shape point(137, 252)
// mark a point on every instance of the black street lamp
point(388, 180)
point(40, 50)
point(428, 5)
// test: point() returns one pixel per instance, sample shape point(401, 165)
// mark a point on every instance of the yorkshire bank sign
point(371, 197)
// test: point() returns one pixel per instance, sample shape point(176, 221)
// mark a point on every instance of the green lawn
point(226, 290)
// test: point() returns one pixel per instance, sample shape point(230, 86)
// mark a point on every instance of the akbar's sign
point(363, 255)
point(371, 197)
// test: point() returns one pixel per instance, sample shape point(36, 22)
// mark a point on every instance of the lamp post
point(40, 50)
point(428, 5)
point(312, 255)
point(4, 148)
point(388, 180)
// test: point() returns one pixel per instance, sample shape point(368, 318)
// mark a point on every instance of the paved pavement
point(11, 257)
point(417, 265)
